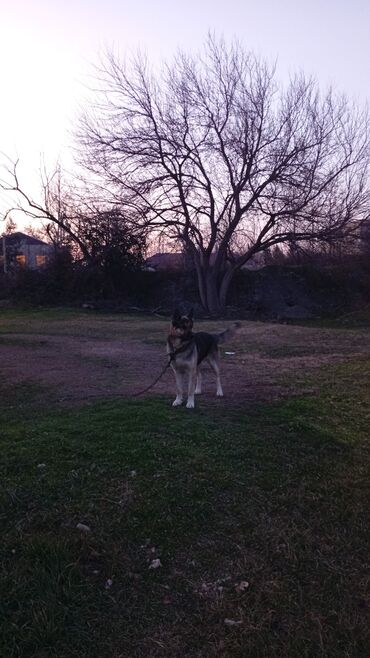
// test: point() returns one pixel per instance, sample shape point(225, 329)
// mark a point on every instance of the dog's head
point(181, 325)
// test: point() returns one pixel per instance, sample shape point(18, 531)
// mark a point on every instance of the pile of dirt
point(298, 293)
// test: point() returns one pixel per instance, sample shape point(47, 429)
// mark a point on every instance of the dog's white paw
point(190, 404)
point(220, 394)
point(177, 402)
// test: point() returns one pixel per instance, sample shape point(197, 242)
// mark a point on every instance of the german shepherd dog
point(187, 350)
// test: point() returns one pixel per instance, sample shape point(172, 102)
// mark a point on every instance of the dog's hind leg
point(191, 387)
point(179, 388)
point(213, 362)
point(198, 388)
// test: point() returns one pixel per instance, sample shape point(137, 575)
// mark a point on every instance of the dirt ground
point(84, 358)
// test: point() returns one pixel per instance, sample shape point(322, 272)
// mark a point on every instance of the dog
point(187, 350)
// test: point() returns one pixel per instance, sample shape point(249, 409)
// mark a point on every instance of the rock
point(155, 564)
point(232, 622)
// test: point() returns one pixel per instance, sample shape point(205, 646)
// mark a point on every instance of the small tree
point(114, 248)
point(10, 226)
point(226, 162)
point(8, 251)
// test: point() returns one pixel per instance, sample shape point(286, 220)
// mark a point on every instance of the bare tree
point(225, 161)
point(55, 209)
point(81, 216)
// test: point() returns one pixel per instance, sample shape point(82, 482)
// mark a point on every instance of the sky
point(48, 49)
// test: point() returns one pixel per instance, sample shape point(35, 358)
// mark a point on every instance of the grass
point(273, 495)
point(76, 323)
point(359, 319)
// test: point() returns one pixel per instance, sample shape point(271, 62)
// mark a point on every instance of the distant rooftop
point(18, 236)
point(166, 261)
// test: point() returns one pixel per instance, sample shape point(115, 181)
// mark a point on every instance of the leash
point(172, 355)
point(134, 395)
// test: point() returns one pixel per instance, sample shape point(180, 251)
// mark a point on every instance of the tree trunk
point(213, 286)
point(208, 287)
point(201, 284)
point(214, 305)
point(225, 285)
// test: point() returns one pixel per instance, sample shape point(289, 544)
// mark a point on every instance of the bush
point(274, 292)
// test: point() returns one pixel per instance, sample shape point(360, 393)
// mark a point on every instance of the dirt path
point(268, 361)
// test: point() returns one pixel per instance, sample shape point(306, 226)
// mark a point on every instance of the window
point(40, 260)
point(21, 260)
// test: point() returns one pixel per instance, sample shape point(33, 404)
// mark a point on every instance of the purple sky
point(47, 48)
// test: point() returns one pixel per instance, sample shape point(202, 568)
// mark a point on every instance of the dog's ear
point(176, 315)
point(191, 314)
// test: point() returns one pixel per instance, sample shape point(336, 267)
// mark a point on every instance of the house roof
point(165, 260)
point(18, 236)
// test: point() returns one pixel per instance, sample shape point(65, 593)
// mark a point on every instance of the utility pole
point(4, 254)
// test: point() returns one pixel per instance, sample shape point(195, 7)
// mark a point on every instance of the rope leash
point(172, 355)
point(120, 395)
point(135, 395)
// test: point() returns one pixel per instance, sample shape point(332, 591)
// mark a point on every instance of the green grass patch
point(275, 495)
point(359, 319)
point(72, 322)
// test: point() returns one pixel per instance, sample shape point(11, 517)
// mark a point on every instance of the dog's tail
point(229, 333)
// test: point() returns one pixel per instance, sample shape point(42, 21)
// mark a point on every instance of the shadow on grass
point(274, 496)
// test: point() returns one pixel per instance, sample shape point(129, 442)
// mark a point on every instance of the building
point(21, 250)
point(166, 262)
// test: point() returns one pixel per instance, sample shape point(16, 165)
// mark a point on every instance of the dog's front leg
point(179, 388)
point(191, 387)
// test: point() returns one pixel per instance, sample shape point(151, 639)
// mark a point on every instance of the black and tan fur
point(187, 350)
